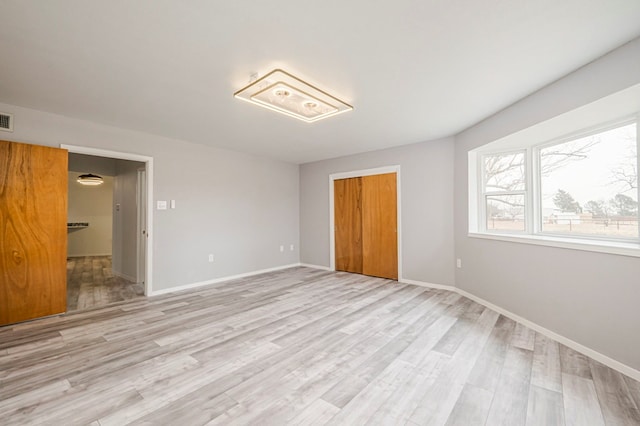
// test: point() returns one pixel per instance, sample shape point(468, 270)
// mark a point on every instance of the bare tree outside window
point(625, 176)
point(588, 186)
point(505, 183)
point(506, 173)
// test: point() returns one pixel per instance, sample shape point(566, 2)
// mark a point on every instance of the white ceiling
point(413, 70)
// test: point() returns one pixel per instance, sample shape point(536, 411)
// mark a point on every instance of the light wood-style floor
point(302, 347)
point(91, 283)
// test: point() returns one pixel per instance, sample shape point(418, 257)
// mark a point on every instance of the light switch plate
point(162, 205)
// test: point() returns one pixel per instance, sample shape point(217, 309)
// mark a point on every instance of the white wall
point(237, 206)
point(427, 207)
point(90, 204)
point(591, 298)
point(101, 166)
point(125, 219)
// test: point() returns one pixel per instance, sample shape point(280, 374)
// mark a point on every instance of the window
point(504, 191)
point(589, 185)
point(581, 187)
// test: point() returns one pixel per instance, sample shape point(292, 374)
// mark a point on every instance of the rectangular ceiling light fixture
point(282, 92)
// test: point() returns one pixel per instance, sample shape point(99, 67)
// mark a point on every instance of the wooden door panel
point(348, 224)
point(379, 226)
point(33, 232)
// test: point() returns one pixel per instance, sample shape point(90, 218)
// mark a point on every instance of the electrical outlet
point(459, 263)
point(210, 258)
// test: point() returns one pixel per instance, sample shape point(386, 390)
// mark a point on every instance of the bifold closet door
point(379, 226)
point(33, 231)
point(365, 219)
point(348, 224)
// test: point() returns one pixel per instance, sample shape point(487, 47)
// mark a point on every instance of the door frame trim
point(140, 218)
point(76, 149)
point(360, 173)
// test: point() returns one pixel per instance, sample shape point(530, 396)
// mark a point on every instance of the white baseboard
point(218, 280)
point(308, 265)
point(429, 285)
point(609, 362)
point(125, 276)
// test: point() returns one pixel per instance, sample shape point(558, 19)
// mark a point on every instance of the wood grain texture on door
point(348, 224)
point(33, 232)
point(379, 226)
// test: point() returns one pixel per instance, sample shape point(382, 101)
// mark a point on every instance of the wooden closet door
point(33, 231)
point(348, 224)
point(379, 226)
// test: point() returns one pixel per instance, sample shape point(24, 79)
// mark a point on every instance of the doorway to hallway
point(107, 229)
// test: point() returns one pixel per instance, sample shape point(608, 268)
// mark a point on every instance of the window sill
point(610, 247)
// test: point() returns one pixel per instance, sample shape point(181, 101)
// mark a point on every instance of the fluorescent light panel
point(282, 92)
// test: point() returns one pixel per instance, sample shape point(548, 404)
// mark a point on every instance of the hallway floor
point(91, 283)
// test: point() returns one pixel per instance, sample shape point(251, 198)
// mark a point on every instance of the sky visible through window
point(600, 169)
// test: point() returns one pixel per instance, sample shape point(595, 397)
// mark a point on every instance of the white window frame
point(533, 233)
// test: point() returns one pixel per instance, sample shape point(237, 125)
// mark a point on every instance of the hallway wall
point(92, 204)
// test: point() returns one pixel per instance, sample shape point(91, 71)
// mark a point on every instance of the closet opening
point(365, 222)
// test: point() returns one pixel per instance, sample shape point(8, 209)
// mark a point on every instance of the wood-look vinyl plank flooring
point(91, 283)
point(300, 347)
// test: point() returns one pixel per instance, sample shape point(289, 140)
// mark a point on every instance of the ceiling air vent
point(6, 122)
